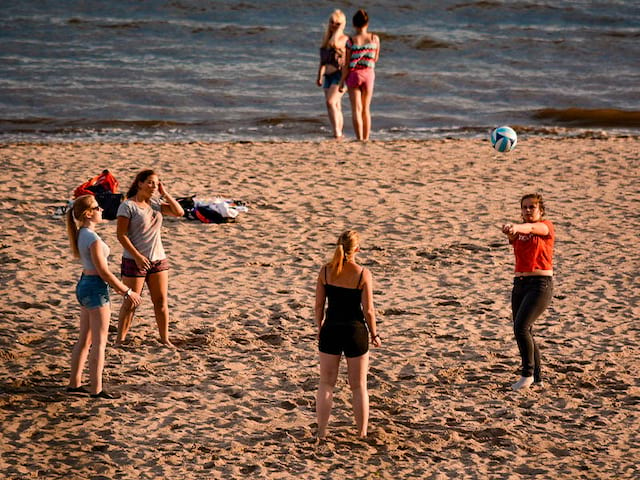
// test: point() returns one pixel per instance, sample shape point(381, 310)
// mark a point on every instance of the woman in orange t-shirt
point(532, 243)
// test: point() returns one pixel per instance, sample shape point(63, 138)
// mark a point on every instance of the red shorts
point(128, 268)
point(362, 79)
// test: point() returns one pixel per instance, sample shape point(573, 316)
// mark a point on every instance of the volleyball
point(504, 139)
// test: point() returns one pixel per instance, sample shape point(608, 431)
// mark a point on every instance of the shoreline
point(401, 135)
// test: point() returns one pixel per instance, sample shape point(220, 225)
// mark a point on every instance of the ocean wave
point(622, 34)
point(53, 125)
point(287, 120)
point(81, 128)
point(232, 31)
point(418, 42)
point(114, 24)
point(291, 130)
point(498, 5)
point(597, 117)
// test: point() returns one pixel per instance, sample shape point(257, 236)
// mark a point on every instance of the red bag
point(105, 182)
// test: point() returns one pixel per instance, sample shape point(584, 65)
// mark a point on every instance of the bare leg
point(329, 368)
point(358, 368)
point(99, 319)
point(127, 310)
point(333, 98)
point(355, 95)
point(367, 95)
point(80, 350)
point(158, 284)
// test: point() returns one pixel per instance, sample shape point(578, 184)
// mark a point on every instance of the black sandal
point(105, 395)
point(77, 390)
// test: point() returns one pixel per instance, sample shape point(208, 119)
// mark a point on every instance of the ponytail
point(74, 214)
point(72, 233)
point(360, 19)
point(338, 260)
point(345, 249)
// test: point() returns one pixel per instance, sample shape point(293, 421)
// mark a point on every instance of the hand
point(161, 189)
point(134, 298)
point(319, 82)
point(341, 88)
point(376, 341)
point(508, 229)
point(143, 263)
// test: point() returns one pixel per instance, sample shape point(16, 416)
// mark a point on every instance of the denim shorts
point(92, 291)
point(332, 79)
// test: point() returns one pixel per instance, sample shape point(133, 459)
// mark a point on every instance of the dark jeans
point(529, 298)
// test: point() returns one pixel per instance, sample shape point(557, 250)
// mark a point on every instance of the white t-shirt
point(86, 238)
point(144, 228)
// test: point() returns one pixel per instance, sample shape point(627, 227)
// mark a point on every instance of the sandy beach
point(236, 398)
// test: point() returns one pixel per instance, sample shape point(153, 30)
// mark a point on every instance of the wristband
point(376, 336)
point(127, 293)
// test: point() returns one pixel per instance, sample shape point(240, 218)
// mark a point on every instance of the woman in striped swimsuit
point(363, 50)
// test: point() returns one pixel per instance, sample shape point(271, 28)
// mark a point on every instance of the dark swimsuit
point(344, 329)
point(333, 57)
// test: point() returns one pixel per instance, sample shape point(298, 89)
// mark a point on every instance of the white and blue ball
point(504, 139)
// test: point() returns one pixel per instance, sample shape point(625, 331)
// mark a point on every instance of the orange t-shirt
point(534, 252)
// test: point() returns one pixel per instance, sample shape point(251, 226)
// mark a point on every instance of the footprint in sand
point(272, 339)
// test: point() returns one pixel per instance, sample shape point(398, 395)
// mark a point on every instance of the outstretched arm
point(536, 228)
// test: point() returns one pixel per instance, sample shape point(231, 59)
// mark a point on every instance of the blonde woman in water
point(347, 327)
point(332, 59)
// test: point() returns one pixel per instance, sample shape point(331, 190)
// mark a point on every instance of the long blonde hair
point(74, 215)
point(329, 39)
point(346, 248)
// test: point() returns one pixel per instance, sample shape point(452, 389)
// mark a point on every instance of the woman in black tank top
point(346, 327)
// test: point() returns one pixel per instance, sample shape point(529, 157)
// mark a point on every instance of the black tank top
point(331, 56)
point(345, 306)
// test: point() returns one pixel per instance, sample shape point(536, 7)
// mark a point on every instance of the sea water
point(193, 70)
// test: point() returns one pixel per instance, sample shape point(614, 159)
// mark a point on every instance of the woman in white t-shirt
point(92, 292)
point(144, 259)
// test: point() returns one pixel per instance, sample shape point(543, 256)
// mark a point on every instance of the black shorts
point(350, 339)
point(129, 268)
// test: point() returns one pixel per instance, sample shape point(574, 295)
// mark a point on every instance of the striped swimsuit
point(361, 65)
point(362, 56)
